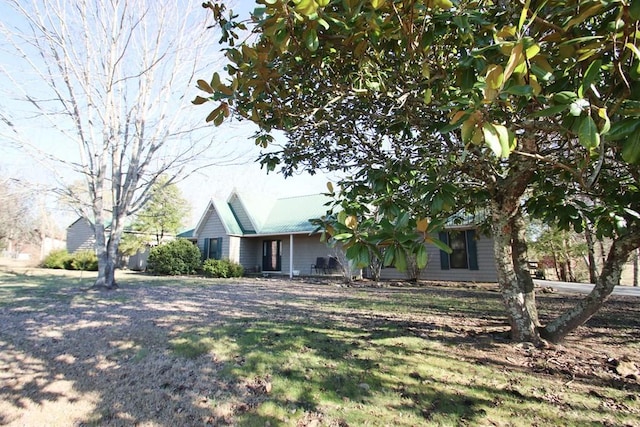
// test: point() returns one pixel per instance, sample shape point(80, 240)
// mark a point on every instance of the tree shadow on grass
point(263, 352)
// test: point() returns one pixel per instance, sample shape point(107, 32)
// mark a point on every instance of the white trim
point(212, 206)
point(282, 233)
point(290, 256)
point(201, 221)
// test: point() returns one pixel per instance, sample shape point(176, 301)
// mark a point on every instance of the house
point(80, 236)
point(276, 237)
point(269, 236)
point(471, 260)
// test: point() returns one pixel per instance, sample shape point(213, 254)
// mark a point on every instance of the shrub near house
point(222, 268)
point(61, 259)
point(179, 256)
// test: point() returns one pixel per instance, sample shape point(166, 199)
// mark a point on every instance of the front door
point(271, 255)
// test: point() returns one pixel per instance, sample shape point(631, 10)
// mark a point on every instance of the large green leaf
point(343, 236)
point(588, 133)
point(492, 139)
point(499, 139)
point(623, 128)
point(551, 111)
point(565, 97)
point(401, 260)
point(634, 9)
point(631, 149)
point(311, 39)
point(589, 77)
point(306, 7)
point(421, 257)
point(441, 245)
point(389, 255)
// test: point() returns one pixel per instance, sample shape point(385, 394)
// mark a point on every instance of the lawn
point(189, 351)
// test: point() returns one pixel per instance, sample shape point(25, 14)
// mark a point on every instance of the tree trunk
point(591, 254)
point(521, 264)
point(566, 255)
point(572, 276)
point(563, 271)
point(609, 277)
point(556, 264)
point(636, 257)
point(107, 250)
point(517, 292)
point(106, 272)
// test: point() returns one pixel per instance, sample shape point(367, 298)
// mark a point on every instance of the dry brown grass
point(73, 357)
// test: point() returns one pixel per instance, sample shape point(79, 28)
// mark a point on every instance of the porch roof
point(292, 214)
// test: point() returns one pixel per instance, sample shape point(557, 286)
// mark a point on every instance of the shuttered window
point(213, 248)
point(464, 253)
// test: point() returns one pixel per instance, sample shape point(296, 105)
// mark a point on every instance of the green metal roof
point(289, 215)
point(292, 214)
point(227, 217)
point(186, 234)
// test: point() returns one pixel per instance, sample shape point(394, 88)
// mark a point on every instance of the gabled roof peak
point(251, 215)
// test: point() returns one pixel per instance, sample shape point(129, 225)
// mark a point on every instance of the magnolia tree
point(99, 89)
point(440, 105)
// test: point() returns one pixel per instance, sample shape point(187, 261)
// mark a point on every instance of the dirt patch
point(82, 358)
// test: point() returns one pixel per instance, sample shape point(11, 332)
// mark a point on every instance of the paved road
point(585, 288)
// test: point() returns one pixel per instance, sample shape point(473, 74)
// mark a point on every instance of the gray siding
point(211, 229)
point(305, 251)
point(80, 236)
point(251, 254)
point(138, 262)
point(487, 271)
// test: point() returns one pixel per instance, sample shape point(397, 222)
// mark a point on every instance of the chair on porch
point(333, 264)
point(320, 266)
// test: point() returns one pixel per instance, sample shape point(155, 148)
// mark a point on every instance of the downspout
point(290, 256)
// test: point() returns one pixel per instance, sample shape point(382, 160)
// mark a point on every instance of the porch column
point(290, 256)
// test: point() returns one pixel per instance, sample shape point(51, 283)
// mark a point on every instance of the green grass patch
point(192, 345)
point(21, 290)
point(382, 376)
point(40, 291)
point(395, 356)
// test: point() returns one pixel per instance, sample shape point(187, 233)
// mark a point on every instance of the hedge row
point(177, 257)
point(180, 256)
point(63, 260)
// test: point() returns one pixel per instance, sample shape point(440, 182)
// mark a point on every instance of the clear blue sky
point(244, 176)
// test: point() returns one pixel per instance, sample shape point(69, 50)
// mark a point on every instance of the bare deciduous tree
point(15, 220)
point(109, 81)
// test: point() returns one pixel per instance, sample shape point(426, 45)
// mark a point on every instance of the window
point(463, 245)
point(213, 248)
point(458, 243)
